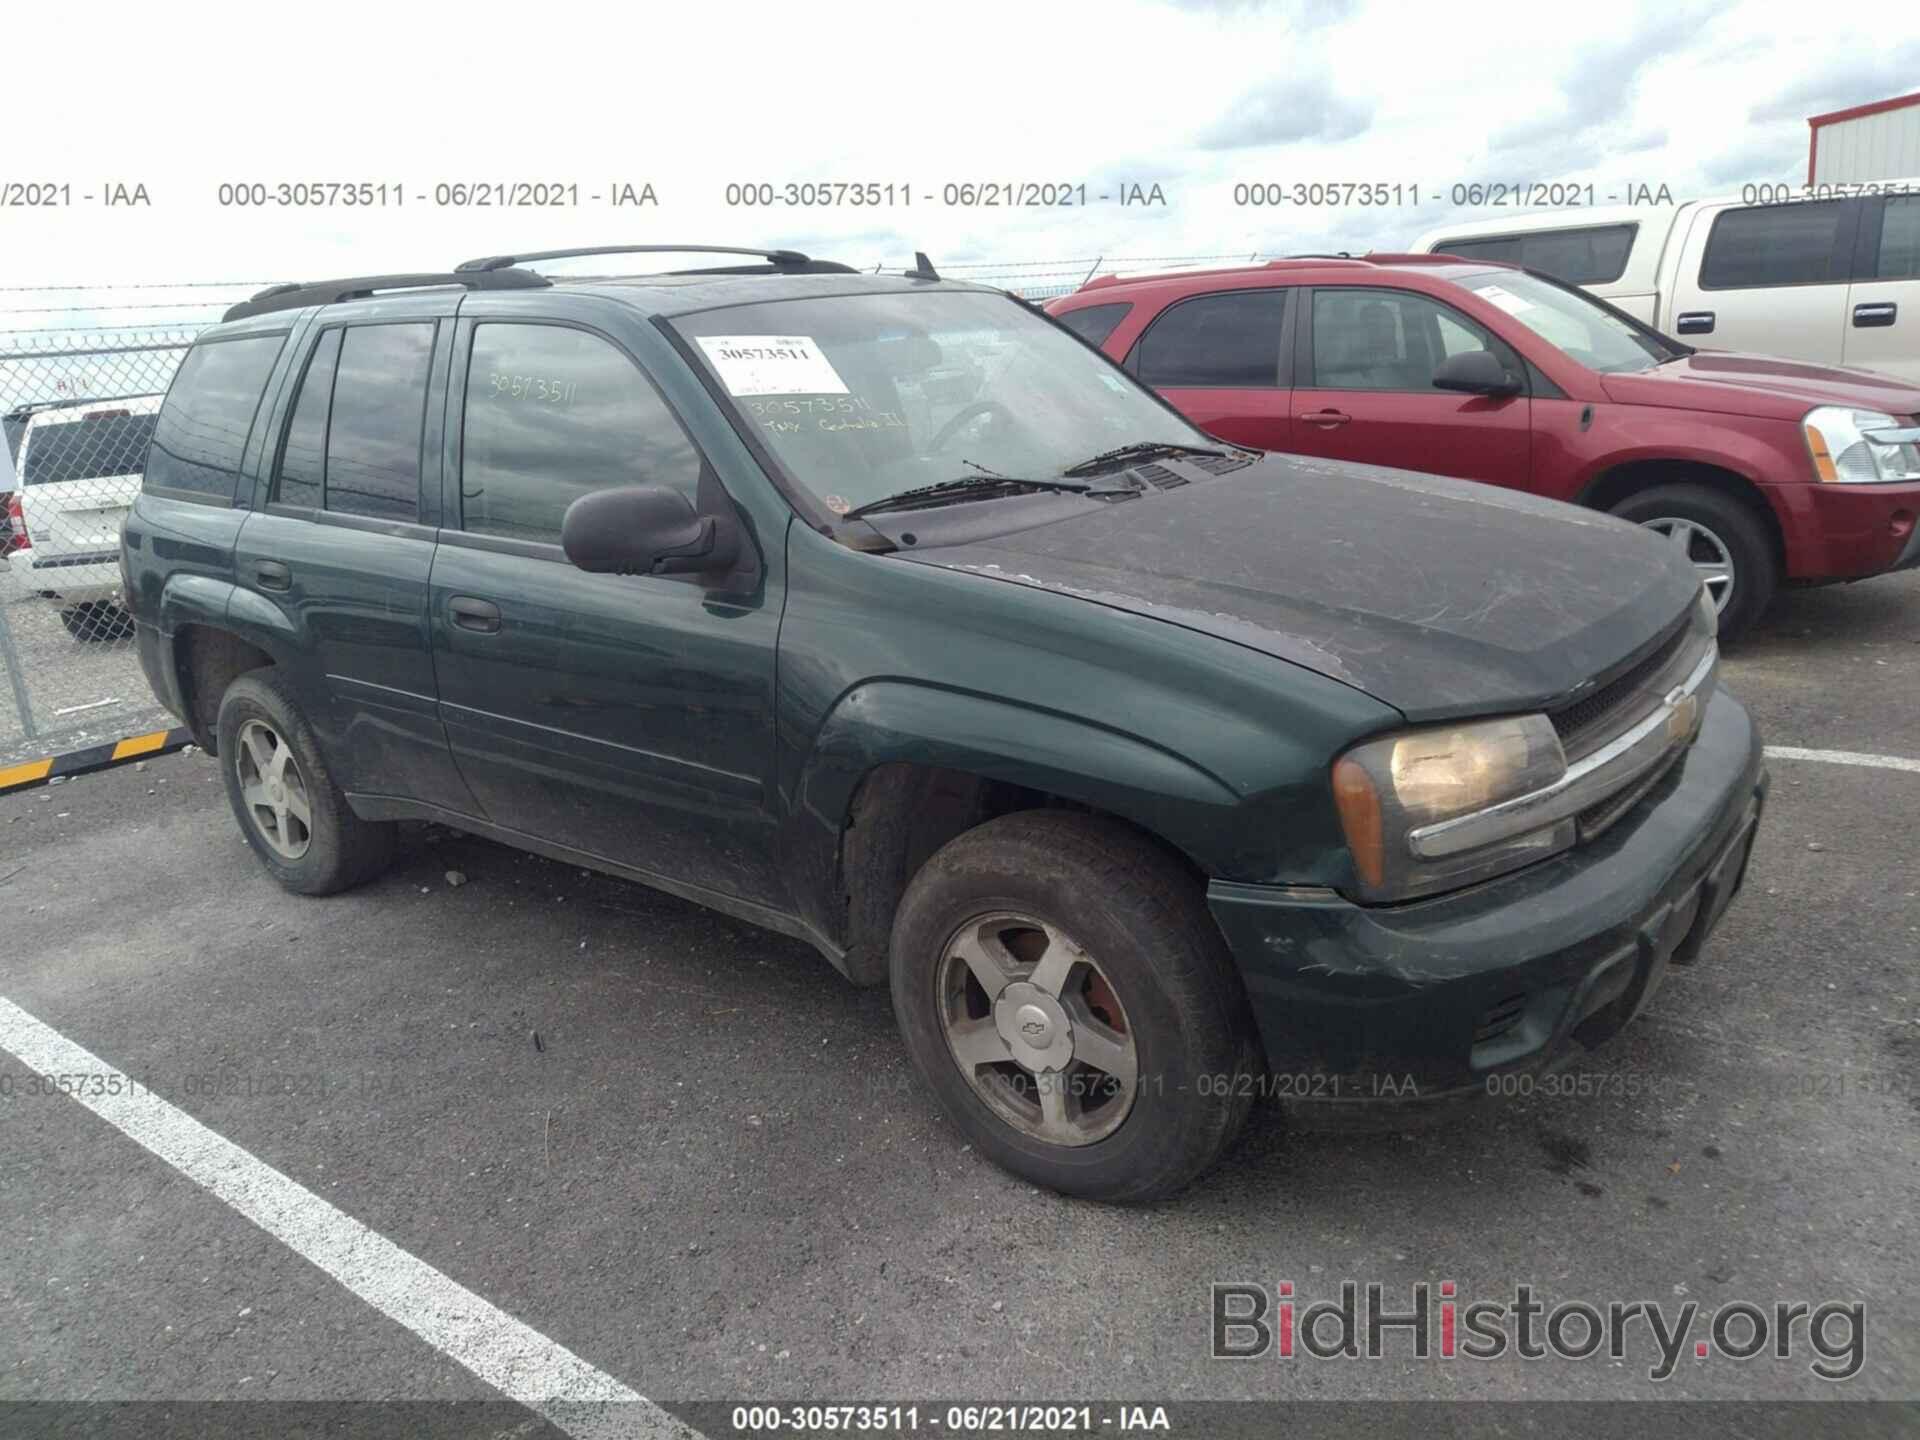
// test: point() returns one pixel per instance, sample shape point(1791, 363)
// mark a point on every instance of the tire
point(331, 849)
point(1730, 526)
point(1152, 969)
point(97, 621)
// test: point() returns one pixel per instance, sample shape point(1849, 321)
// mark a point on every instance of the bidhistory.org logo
point(1252, 1323)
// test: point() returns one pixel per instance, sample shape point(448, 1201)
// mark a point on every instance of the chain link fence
point(82, 373)
point(79, 393)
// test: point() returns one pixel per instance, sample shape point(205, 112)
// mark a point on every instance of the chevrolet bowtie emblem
point(1682, 717)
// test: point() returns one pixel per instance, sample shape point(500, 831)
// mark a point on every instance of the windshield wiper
point(967, 487)
point(1139, 450)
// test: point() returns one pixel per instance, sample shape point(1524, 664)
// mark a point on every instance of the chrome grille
point(1589, 714)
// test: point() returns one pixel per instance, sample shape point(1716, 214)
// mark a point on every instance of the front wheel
point(1722, 539)
point(1063, 990)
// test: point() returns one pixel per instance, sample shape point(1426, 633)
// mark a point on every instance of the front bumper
point(1850, 532)
point(1424, 1001)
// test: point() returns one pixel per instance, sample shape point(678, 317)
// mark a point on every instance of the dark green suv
point(1154, 774)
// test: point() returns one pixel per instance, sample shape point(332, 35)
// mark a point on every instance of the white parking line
point(1843, 757)
point(515, 1359)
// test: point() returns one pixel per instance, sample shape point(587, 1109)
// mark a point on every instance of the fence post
point(10, 661)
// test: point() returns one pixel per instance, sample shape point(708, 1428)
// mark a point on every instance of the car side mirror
point(646, 530)
point(1475, 372)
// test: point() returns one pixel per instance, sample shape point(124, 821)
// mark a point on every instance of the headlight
point(1707, 616)
point(1851, 447)
point(1388, 788)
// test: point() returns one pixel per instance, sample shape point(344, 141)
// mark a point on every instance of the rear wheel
point(1068, 998)
point(97, 621)
point(289, 808)
point(1722, 539)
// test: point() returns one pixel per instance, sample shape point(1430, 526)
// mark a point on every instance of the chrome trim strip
point(1592, 779)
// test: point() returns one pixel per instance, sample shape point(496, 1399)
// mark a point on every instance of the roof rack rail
point(781, 260)
point(296, 295)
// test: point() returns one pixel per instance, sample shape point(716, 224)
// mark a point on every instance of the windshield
point(861, 397)
point(1568, 320)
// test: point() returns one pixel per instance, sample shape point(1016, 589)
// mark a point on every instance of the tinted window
point(552, 414)
point(1389, 339)
point(1228, 339)
point(1583, 255)
point(379, 402)
point(1774, 245)
point(88, 449)
point(1094, 323)
point(1900, 239)
point(208, 414)
point(304, 456)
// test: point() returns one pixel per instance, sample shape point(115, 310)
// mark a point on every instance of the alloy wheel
point(273, 790)
point(1037, 1028)
point(1705, 551)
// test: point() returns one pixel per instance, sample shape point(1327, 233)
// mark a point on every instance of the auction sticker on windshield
point(1505, 299)
point(771, 365)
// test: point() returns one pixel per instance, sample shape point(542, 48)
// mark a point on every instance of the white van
point(1834, 281)
point(79, 469)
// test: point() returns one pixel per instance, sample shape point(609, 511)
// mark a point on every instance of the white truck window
point(1769, 245)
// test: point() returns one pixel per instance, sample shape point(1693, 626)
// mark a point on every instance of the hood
point(1727, 383)
point(1440, 597)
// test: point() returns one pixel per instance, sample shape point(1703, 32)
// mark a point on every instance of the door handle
point(1876, 314)
point(272, 575)
point(471, 614)
point(1327, 419)
point(1694, 322)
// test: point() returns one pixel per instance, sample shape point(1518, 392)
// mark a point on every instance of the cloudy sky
point(1195, 98)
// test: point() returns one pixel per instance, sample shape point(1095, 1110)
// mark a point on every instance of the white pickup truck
point(1835, 281)
point(79, 469)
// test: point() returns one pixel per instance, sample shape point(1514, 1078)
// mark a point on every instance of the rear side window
point(203, 425)
point(303, 458)
point(373, 433)
point(1579, 255)
point(1094, 323)
point(1775, 245)
point(92, 447)
point(1227, 340)
point(553, 414)
point(1899, 239)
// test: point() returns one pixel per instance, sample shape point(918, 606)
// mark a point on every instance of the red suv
point(1762, 470)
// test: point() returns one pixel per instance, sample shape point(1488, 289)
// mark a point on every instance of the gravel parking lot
point(80, 693)
point(688, 1153)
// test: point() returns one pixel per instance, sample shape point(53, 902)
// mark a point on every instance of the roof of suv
point(776, 275)
point(1348, 268)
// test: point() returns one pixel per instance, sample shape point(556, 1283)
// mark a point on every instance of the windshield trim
point(791, 488)
point(1676, 349)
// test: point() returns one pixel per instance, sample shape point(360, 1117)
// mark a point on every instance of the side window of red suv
point(1229, 340)
point(1380, 339)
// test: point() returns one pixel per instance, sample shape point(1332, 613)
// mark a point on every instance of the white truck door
point(1766, 279)
point(1883, 306)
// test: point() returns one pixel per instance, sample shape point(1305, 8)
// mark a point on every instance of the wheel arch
point(1617, 483)
point(206, 660)
point(899, 769)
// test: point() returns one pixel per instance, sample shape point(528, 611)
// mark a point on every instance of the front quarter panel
point(1221, 752)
